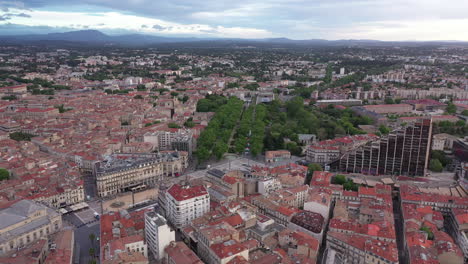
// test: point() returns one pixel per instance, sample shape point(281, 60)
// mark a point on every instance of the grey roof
point(19, 212)
point(156, 218)
point(217, 173)
point(271, 229)
point(305, 136)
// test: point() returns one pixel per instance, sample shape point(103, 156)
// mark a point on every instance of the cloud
point(21, 15)
point(116, 20)
point(299, 19)
point(8, 16)
point(158, 27)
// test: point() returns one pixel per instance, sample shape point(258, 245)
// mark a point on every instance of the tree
point(389, 100)
point(310, 171)
point(174, 94)
point(465, 112)
point(435, 165)
point(219, 149)
point(92, 252)
point(4, 174)
point(173, 125)
point(9, 98)
point(384, 130)
point(252, 86)
point(339, 179)
point(428, 231)
point(202, 154)
point(141, 87)
point(20, 136)
point(92, 236)
point(440, 155)
point(189, 123)
point(232, 85)
point(451, 108)
point(349, 185)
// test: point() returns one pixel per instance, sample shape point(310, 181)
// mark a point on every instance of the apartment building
point(158, 234)
point(63, 196)
point(179, 253)
point(322, 154)
point(268, 185)
point(357, 249)
point(404, 151)
point(277, 155)
point(171, 139)
point(122, 237)
point(185, 203)
point(123, 172)
point(25, 222)
point(218, 244)
point(457, 227)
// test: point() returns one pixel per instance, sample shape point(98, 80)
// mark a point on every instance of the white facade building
point(185, 203)
point(158, 234)
point(267, 186)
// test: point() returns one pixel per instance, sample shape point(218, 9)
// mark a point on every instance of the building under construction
point(404, 151)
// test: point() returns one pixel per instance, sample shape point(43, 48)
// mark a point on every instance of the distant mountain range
point(94, 37)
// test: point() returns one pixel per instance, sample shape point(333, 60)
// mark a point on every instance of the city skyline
point(338, 19)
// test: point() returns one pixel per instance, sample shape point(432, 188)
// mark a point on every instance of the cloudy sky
point(296, 19)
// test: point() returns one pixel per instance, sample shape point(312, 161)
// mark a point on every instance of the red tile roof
point(228, 248)
point(182, 193)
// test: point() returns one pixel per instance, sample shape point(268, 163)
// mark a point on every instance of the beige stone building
point(64, 196)
point(126, 172)
point(25, 222)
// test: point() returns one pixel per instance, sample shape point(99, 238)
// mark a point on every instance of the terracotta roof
point(182, 193)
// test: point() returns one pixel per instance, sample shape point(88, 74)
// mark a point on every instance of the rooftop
point(182, 193)
point(309, 220)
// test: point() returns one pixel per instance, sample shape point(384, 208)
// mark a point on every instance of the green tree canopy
point(435, 165)
point(451, 108)
point(339, 179)
point(4, 174)
point(384, 130)
point(173, 125)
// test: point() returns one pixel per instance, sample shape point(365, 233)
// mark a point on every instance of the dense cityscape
point(236, 152)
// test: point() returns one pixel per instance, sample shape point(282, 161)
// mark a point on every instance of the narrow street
point(399, 230)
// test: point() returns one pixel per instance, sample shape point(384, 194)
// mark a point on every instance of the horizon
point(381, 20)
point(225, 38)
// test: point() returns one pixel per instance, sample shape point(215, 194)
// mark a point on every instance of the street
point(82, 239)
